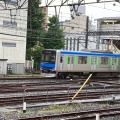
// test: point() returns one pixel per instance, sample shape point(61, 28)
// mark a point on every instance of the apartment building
point(75, 29)
point(110, 25)
point(72, 29)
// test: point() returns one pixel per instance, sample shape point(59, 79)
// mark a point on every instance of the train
point(65, 63)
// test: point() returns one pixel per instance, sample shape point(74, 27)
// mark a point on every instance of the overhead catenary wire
point(35, 30)
point(110, 9)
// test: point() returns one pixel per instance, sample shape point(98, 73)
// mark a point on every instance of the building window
point(12, 2)
point(9, 66)
point(8, 44)
point(82, 60)
point(9, 24)
point(104, 60)
point(117, 22)
point(72, 27)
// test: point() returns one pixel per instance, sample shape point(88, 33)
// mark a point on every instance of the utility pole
point(86, 36)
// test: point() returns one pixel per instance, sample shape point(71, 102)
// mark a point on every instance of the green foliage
point(54, 38)
point(29, 53)
point(37, 56)
point(34, 26)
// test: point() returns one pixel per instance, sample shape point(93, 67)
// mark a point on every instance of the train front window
point(49, 56)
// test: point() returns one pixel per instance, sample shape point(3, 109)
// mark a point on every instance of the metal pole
point(86, 38)
point(86, 92)
point(82, 86)
point(78, 44)
point(36, 67)
point(47, 96)
point(68, 92)
point(24, 107)
point(98, 37)
point(97, 117)
point(24, 103)
point(67, 44)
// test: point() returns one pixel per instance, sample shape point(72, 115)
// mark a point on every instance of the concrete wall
point(73, 30)
point(108, 24)
point(18, 68)
point(75, 25)
point(13, 26)
point(3, 66)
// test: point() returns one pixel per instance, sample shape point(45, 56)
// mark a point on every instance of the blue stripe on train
point(47, 65)
point(89, 53)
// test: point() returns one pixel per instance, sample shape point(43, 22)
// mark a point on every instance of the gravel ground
point(48, 110)
point(40, 111)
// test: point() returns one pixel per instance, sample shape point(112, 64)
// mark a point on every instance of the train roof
point(89, 53)
point(49, 49)
point(97, 51)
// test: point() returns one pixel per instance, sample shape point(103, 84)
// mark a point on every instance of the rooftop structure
point(109, 24)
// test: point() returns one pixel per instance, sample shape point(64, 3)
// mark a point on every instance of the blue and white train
point(63, 63)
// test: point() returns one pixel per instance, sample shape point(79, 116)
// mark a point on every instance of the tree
point(34, 26)
point(37, 56)
point(54, 39)
point(34, 34)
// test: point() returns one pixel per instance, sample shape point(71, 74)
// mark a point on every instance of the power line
point(77, 3)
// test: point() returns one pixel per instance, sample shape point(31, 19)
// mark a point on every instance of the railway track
point(49, 78)
point(38, 88)
point(48, 93)
point(43, 90)
point(55, 97)
point(15, 84)
point(84, 115)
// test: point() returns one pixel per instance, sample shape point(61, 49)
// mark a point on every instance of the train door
point(93, 62)
point(69, 61)
point(62, 57)
point(114, 63)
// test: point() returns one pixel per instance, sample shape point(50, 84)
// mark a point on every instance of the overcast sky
point(94, 11)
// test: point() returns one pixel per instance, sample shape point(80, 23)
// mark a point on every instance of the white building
point(13, 28)
point(109, 24)
point(72, 30)
point(75, 29)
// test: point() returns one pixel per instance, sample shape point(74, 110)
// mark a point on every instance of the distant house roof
point(109, 18)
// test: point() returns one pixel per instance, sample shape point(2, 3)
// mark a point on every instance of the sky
point(94, 11)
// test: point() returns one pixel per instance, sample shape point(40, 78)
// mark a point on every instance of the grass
point(19, 75)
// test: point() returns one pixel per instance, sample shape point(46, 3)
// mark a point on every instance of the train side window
point(68, 60)
point(61, 59)
point(72, 60)
point(114, 61)
point(93, 59)
point(104, 60)
point(82, 60)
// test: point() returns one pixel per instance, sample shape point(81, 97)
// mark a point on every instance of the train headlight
point(40, 68)
point(53, 69)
